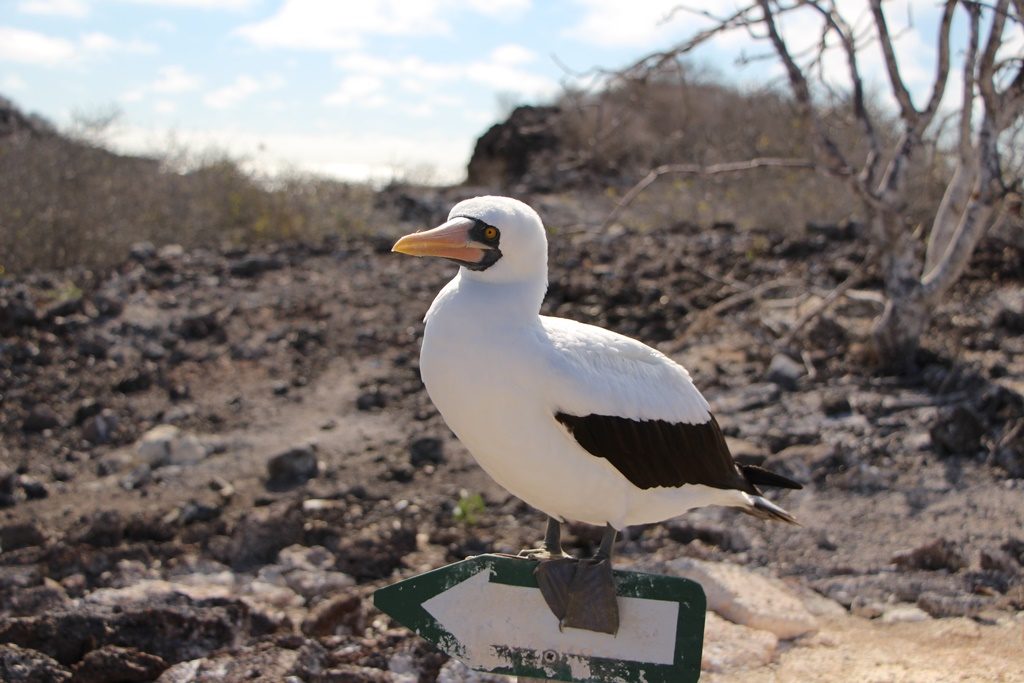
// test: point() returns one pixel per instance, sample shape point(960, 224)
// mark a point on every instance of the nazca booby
point(579, 422)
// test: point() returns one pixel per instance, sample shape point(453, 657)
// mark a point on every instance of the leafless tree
point(985, 185)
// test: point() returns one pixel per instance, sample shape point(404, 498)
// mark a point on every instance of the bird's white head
point(494, 239)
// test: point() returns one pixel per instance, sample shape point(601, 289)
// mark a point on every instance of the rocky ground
point(211, 459)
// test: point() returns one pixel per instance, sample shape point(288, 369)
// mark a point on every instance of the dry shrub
point(69, 202)
point(680, 115)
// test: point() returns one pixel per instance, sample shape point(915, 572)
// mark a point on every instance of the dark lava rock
point(286, 659)
point(292, 468)
point(370, 400)
point(957, 431)
point(341, 613)
point(33, 488)
point(426, 451)
point(172, 627)
point(102, 428)
point(1009, 454)
point(86, 409)
point(8, 487)
point(37, 599)
point(1015, 549)
point(135, 382)
point(21, 665)
point(259, 536)
point(836, 403)
point(375, 552)
point(729, 539)
point(20, 535)
point(937, 555)
point(95, 343)
point(104, 530)
point(121, 664)
point(784, 371)
point(941, 606)
point(508, 150)
point(253, 265)
point(41, 417)
point(200, 325)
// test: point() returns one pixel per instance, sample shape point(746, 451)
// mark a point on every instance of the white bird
point(579, 422)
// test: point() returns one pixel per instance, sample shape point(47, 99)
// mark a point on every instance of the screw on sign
point(488, 612)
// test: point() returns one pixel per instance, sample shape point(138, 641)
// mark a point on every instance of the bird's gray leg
point(551, 547)
point(604, 551)
point(553, 537)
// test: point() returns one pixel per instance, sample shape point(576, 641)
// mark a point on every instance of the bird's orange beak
point(450, 240)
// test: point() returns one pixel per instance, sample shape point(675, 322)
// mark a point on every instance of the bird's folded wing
point(592, 370)
point(631, 405)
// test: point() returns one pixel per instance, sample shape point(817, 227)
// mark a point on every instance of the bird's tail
point(765, 509)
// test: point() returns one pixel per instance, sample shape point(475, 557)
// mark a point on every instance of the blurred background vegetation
point(69, 201)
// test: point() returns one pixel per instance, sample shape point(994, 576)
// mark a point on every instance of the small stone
point(342, 612)
point(935, 556)
point(426, 451)
point(105, 529)
point(904, 614)
point(169, 445)
point(19, 664)
point(279, 388)
point(86, 409)
point(33, 488)
point(836, 403)
point(748, 599)
point(941, 606)
point(730, 647)
point(784, 371)
point(20, 535)
point(867, 608)
point(292, 467)
point(8, 487)
point(122, 664)
point(957, 430)
point(40, 418)
point(370, 400)
point(100, 429)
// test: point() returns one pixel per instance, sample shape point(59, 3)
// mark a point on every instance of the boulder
point(749, 599)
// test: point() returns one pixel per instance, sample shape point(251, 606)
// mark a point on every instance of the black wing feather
point(651, 453)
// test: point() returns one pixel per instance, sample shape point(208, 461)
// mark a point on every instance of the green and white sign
point(488, 612)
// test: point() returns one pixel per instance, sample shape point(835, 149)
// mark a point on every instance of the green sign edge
point(404, 602)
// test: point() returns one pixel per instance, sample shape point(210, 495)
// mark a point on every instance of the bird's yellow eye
point(490, 232)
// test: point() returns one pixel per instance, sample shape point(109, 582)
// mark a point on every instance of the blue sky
point(373, 88)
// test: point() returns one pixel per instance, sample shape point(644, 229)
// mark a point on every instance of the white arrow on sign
point(482, 616)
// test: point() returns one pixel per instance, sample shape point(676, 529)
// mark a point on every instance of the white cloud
point(361, 89)
point(314, 25)
point(334, 26)
point(165, 107)
point(371, 79)
point(174, 79)
point(197, 4)
point(97, 43)
point(513, 54)
point(30, 47)
point(615, 23)
point(242, 88)
point(57, 8)
point(500, 8)
point(170, 80)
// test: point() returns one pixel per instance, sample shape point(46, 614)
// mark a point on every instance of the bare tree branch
point(836, 162)
point(899, 88)
point(697, 169)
